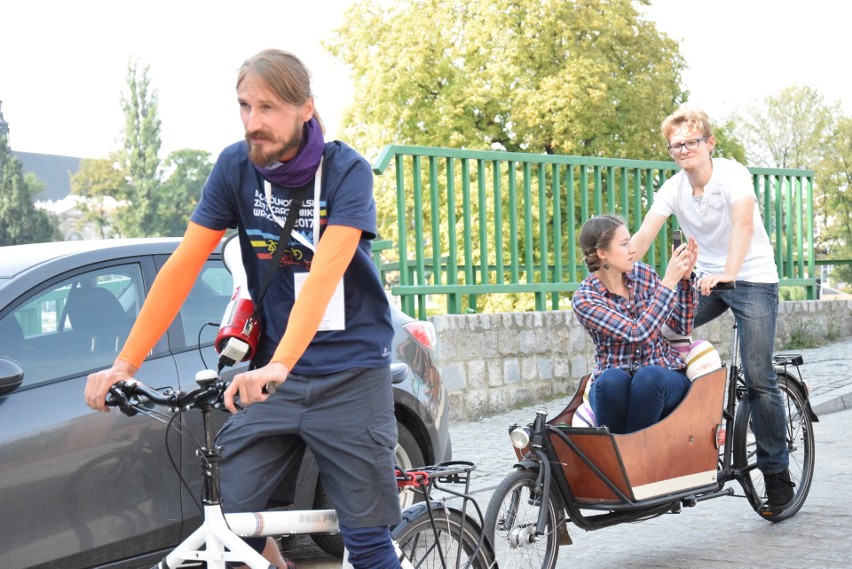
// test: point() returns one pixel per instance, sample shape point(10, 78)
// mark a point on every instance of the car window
point(75, 326)
point(202, 311)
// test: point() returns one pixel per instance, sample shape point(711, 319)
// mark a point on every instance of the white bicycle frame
point(218, 540)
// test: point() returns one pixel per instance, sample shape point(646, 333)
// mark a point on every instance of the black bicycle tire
point(800, 429)
point(416, 524)
point(516, 480)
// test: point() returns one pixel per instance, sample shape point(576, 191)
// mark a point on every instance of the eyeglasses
point(675, 149)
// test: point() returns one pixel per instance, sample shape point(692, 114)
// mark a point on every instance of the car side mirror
point(11, 375)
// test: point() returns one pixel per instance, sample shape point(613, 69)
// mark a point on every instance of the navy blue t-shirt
point(233, 196)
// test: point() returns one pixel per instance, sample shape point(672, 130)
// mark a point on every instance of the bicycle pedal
point(767, 513)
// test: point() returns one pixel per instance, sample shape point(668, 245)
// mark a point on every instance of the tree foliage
point(791, 130)
point(98, 182)
point(180, 193)
point(834, 176)
point(581, 77)
point(727, 143)
point(131, 179)
point(140, 154)
point(787, 130)
point(20, 221)
point(587, 77)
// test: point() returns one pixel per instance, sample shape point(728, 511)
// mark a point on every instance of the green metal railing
point(474, 223)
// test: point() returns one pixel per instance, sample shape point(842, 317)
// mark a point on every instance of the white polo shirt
point(709, 219)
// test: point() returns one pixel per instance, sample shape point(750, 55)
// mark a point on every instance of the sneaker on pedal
point(779, 490)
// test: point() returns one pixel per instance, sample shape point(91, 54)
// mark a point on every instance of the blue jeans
point(370, 547)
point(755, 308)
point(626, 403)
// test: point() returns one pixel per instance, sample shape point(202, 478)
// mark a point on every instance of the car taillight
point(422, 332)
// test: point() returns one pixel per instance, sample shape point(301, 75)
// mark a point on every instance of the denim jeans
point(755, 309)
point(626, 403)
point(370, 547)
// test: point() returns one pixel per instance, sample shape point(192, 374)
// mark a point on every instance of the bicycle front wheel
point(800, 444)
point(445, 540)
point(511, 520)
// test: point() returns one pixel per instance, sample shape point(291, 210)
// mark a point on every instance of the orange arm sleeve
point(170, 289)
point(332, 257)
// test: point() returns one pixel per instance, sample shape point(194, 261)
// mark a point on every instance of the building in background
point(55, 173)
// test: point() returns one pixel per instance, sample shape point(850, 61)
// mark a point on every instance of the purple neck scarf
point(300, 169)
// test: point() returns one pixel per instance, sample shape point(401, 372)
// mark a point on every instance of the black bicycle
point(596, 479)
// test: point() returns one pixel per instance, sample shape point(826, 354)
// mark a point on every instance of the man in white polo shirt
point(713, 200)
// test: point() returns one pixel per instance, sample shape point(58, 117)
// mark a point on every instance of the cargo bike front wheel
point(513, 513)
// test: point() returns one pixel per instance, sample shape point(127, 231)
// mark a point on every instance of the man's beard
point(271, 157)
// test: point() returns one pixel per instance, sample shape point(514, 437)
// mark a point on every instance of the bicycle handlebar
point(130, 395)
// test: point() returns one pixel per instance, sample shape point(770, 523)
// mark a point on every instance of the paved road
point(721, 533)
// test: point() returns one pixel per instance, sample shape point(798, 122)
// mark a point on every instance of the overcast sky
point(63, 63)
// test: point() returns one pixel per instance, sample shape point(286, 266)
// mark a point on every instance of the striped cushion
point(584, 416)
point(702, 358)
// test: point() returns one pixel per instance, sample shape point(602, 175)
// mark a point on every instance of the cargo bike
point(594, 479)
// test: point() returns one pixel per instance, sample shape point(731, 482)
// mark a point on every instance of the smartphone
point(677, 238)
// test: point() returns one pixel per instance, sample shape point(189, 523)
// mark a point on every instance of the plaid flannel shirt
point(627, 331)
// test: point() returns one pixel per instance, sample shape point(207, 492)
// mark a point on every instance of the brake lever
point(221, 402)
point(214, 396)
point(119, 396)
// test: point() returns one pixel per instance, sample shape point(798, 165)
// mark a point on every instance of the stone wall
point(494, 362)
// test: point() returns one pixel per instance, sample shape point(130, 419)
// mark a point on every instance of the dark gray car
point(84, 489)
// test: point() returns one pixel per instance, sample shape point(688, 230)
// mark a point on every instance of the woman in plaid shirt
point(638, 377)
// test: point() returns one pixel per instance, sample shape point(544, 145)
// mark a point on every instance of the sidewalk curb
point(839, 399)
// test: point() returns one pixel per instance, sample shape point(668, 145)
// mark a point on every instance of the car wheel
point(407, 455)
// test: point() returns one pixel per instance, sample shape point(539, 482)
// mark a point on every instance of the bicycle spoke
point(442, 541)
